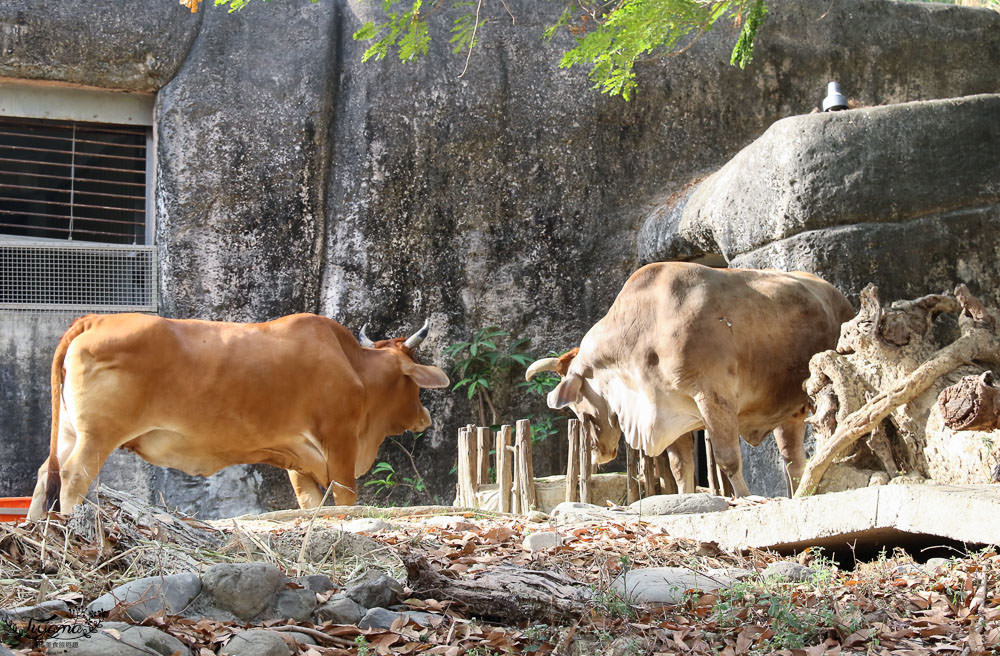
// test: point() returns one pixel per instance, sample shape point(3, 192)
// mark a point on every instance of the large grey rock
point(141, 598)
point(292, 177)
point(256, 642)
point(671, 585)
point(126, 640)
point(680, 504)
point(243, 589)
point(814, 191)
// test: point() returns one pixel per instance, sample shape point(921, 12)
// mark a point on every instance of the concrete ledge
point(865, 518)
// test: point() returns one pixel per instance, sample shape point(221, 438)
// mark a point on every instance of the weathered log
point(971, 404)
point(505, 593)
point(505, 466)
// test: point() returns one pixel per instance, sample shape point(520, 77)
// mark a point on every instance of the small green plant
point(364, 649)
point(387, 482)
point(611, 604)
point(482, 362)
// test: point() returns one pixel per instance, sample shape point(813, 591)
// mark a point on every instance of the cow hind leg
point(722, 426)
point(790, 437)
point(38, 508)
point(80, 469)
point(681, 457)
point(308, 492)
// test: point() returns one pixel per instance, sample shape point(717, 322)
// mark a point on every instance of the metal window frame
point(47, 101)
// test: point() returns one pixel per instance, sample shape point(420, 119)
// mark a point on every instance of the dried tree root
point(978, 342)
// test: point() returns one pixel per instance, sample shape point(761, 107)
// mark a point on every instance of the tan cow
point(298, 393)
point(686, 347)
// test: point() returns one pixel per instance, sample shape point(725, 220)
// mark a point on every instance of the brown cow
point(298, 393)
point(686, 347)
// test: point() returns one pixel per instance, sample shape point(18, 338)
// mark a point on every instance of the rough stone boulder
point(900, 194)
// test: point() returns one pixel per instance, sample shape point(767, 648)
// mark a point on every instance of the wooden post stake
point(585, 460)
point(573, 461)
point(505, 467)
point(483, 434)
point(466, 473)
point(471, 481)
point(632, 474)
point(524, 466)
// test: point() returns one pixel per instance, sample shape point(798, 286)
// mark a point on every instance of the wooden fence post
point(632, 474)
point(466, 468)
point(585, 462)
point(505, 467)
point(483, 435)
point(524, 466)
point(572, 461)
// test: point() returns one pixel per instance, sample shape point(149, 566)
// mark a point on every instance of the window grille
point(73, 181)
point(77, 277)
point(73, 230)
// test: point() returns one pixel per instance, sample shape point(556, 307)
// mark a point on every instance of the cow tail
point(53, 484)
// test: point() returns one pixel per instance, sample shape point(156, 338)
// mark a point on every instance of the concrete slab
point(868, 518)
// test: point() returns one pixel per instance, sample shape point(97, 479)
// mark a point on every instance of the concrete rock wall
point(292, 177)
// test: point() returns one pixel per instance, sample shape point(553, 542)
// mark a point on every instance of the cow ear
point(566, 392)
point(426, 376)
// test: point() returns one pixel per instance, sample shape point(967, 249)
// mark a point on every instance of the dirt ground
point(892, 605)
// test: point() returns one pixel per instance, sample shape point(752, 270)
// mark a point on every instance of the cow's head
point(400, 380)
point(577, 391)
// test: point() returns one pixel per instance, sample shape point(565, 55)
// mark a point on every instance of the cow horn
point(414, 340)
point(538, 366)
point(363, 338)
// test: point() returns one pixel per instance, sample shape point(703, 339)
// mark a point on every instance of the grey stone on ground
point(147, 596)
point(339, 609)
point(296, 604)
point(243, 589)
point(256, 642)
point(5, 652)
point(786, 569)
point(315, 582)
point(41, 612)
point(373, 589)
point(680, 504)
point(669, 585)
point(570, 512)
point(542, 541)
point(379, 618)
point(129, 641)
point(383, 618)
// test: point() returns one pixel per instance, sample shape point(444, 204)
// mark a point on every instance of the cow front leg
point(344, 485)
point(308, 492)
point(681, 456)
point(722, 427)
point(790, 437)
